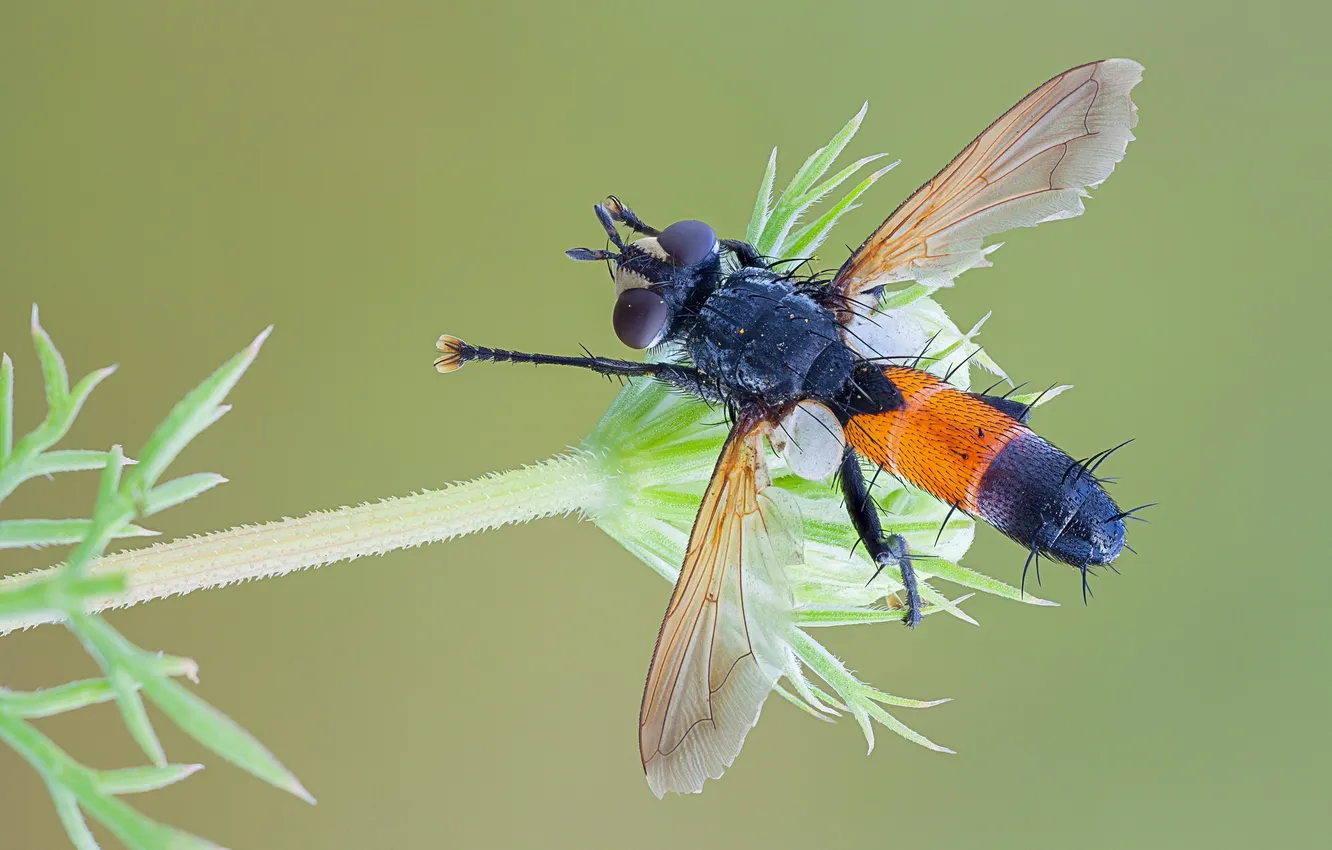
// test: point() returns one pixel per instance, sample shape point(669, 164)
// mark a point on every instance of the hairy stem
point(560, 486)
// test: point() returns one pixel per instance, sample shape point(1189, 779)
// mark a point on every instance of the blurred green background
point(174, 177)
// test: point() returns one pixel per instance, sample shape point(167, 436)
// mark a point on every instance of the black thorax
point(767, 341)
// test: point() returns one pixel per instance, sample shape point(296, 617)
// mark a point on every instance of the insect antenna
point(587, 255)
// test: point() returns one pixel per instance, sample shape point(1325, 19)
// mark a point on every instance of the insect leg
point(456, 353)
point(890, 551)
point(745, 254)
point(619, 212)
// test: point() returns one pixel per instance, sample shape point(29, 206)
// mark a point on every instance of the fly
point(793, 363)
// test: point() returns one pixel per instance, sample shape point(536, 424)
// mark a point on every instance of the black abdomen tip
point(1037, 495)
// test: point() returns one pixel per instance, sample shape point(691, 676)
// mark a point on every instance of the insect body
point(972, 451)
point(785, 358)
point(769, 341)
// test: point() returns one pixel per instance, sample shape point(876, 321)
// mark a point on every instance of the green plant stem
point(559, 486)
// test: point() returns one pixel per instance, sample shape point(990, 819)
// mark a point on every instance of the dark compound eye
point(640, 317)
point(688, 242)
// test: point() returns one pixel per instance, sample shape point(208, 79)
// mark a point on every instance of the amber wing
point(1034, 164)
point(720, 649)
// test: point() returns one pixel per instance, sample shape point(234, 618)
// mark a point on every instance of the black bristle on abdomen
point(1028, 494)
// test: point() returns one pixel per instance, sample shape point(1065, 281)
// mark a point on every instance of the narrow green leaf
point(819, 617)
point(53, 366)
point(904, 297)
point(117, 657)
point(827, 697)
point(82, 390)
point(801, 704)
point(804, 688)
point(67, 778)
point(788, 203)
point(822, 159)
point(54, 427)
point(111, 514)
point(819, 192)
point(6, 407)
point(36, 533)
point(135, 780)
point(67, 807)
point(110, 481)
point(763, 201)
point(809, 238)
point(179, 490)
point(888, 699)
point(137, 831)
point(1037, 399)
point(57, 700)
point(220, 734)
point(66, 460)
point(134, 714)
point(894, 725)
point(198, 410)
point(960, 575)
point(934, 597)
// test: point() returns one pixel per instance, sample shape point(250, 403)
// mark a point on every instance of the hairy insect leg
point(619, 212)
point(887, 551)
point(686, 378)
point(745, 254)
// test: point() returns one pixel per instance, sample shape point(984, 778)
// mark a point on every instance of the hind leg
point(887, 551)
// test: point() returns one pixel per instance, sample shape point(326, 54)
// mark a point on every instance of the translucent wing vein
point(719, 651)
point(1033, 164)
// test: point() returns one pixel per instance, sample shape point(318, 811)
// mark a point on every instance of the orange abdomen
point(941, 439)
